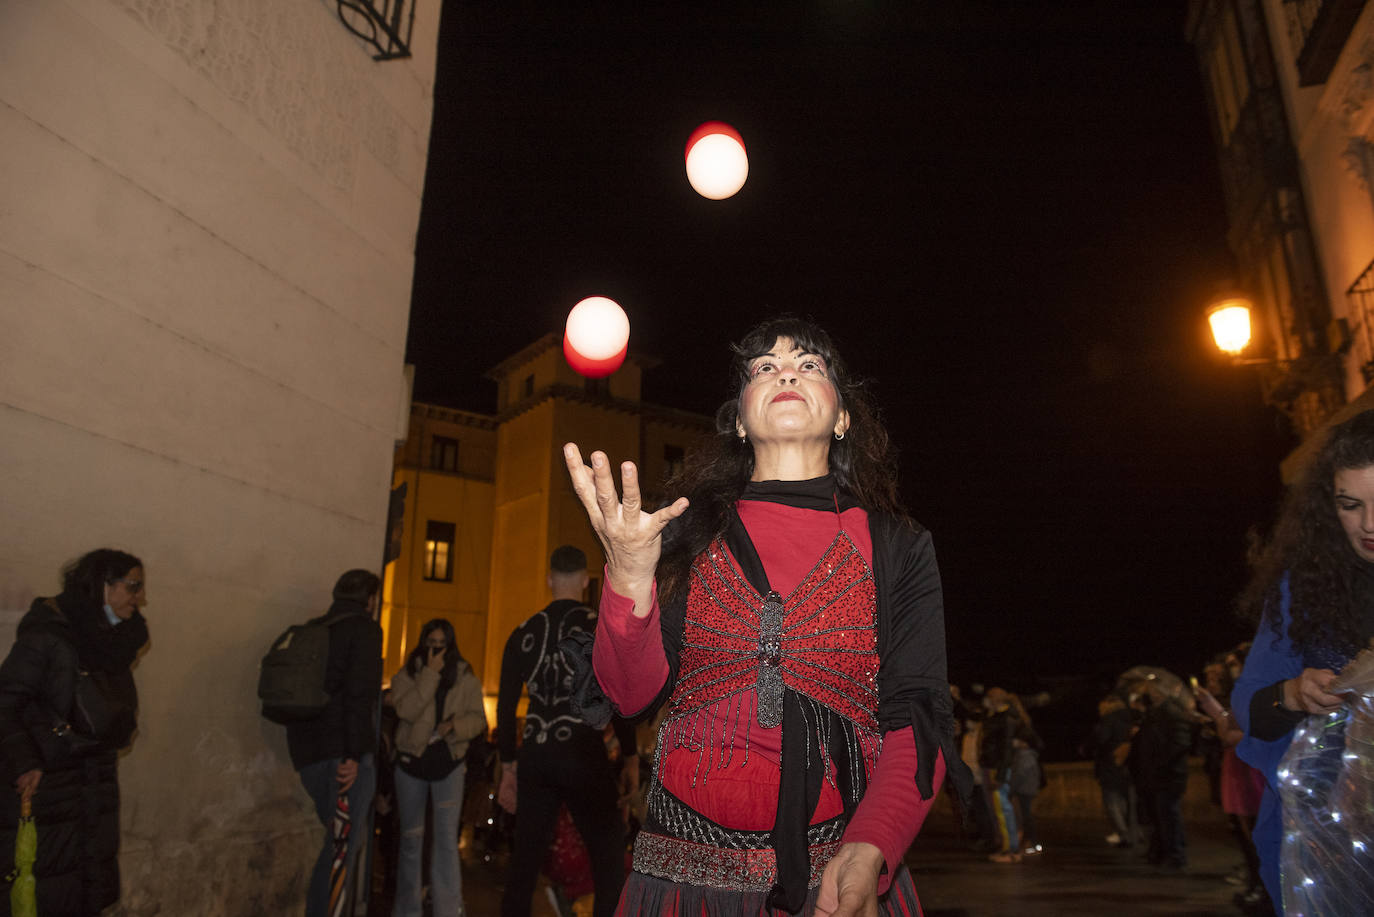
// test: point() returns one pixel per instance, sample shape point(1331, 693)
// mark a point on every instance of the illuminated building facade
point(1293, 117)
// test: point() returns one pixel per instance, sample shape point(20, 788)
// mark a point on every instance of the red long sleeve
point(892, 810)
point(627, 656)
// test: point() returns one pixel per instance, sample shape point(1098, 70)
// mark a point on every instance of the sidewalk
point(1076, 874)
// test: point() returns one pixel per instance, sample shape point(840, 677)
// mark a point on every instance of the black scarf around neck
point(815, 493)
point(803, 763)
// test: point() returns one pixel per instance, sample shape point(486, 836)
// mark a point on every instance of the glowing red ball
point(717, 165)
point(596, 337)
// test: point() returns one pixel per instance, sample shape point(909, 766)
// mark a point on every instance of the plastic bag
point(1326, 784)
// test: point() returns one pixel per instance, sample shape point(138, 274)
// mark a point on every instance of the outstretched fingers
point(667, 514)
point(596, 491)
point(620, 516)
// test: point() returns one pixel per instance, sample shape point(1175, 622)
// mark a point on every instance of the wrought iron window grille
point(385, 24)
point(1361, 298)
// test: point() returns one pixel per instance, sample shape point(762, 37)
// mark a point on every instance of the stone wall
point(207, 229)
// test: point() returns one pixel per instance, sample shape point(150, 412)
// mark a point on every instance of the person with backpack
point(67, 706)
point(562, 760)
point(333, 750)
point(438, 704)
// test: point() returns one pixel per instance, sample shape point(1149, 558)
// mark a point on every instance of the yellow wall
point(410, 599)
point(512, 503)
point(518, 556)
point(464, 498)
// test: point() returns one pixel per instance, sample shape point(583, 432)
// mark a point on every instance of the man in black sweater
point(333, 753)
point(562, 760)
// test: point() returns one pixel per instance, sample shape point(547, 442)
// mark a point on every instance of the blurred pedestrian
point(1027, 778)
point(1240, 785)
point(438, 704)
point(969, 725)
point(67, 706)
point(1161, 775)
point(996, 752)
point(1111, 747)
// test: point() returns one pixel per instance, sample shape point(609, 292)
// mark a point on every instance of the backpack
point(292, 675)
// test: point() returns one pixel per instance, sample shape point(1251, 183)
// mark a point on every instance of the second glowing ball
point(717, 165)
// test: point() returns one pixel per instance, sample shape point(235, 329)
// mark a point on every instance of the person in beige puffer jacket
point(439, 708)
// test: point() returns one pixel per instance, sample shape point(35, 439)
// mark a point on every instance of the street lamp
point(1306, 388)
point(1230, 321)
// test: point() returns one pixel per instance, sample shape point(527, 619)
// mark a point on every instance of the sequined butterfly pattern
point(821, 640)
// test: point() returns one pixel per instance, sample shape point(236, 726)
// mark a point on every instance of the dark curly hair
point(719, 467)
point(1309, 545)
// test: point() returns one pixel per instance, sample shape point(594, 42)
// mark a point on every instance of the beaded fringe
point(705, 731)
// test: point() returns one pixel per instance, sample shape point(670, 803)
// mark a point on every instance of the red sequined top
point(730, 773)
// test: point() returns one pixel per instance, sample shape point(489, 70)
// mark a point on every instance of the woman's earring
point(839, 436)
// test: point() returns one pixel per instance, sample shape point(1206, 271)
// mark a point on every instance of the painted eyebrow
point(798, 352)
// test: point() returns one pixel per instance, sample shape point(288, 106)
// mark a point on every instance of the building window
point(439, 551)
point(673, 457)
point(529, 386)
point(1227, 72)
point(443, 454)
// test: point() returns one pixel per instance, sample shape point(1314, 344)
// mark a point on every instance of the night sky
point(1009, 216)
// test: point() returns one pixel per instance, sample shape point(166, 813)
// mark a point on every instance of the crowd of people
point(1150, 729)
point(780, 622)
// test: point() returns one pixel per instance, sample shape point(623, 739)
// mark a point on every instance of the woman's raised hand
point(631, 538)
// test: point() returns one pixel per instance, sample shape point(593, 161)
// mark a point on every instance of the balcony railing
point(1361, 299)
point(385, 24)
point(1319, 29)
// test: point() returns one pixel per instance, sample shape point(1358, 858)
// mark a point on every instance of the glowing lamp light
point(1230, 321)
point(717, 165)
point(596, 337)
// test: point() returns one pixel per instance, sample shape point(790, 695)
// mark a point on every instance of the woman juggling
point(789, 614)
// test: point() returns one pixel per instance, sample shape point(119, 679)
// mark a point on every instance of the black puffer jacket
point(76, 807)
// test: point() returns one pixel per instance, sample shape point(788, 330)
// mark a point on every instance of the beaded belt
point(716, 867)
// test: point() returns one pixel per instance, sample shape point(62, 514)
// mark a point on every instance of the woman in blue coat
point(1313, 592)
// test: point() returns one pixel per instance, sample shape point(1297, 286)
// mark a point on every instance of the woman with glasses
point(67, 706)
point(439, 709)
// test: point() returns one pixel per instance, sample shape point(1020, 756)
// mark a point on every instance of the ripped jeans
point(445, 876)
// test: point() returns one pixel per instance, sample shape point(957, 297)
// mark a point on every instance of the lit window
point(439, 551)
